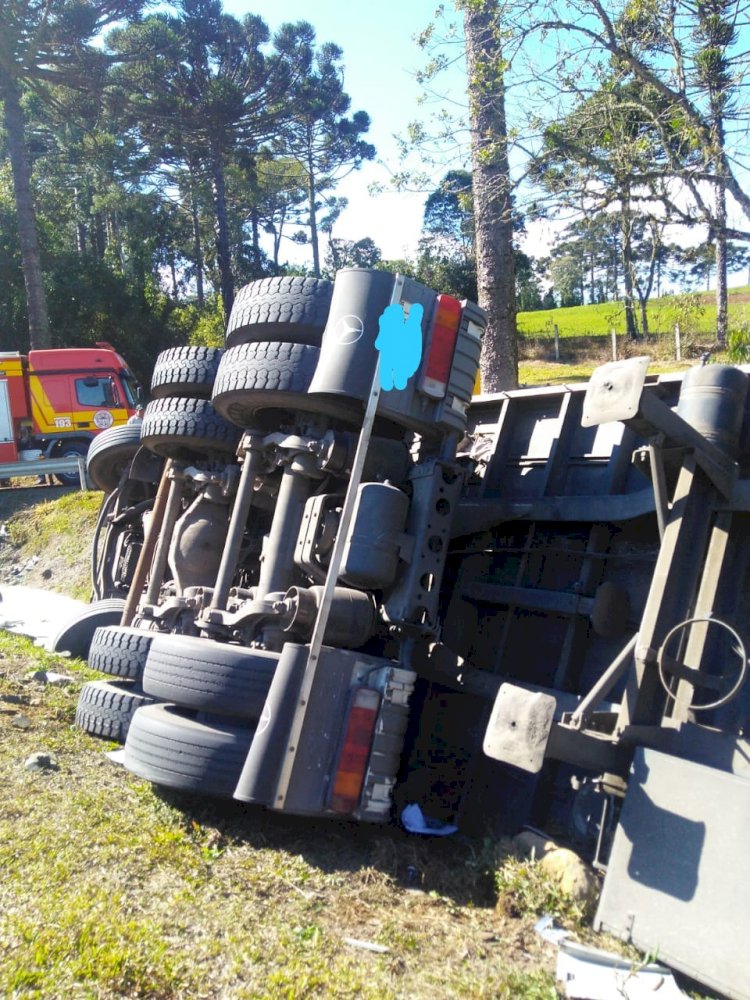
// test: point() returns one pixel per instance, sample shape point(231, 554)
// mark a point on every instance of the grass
point(695, 312)
point(111, 889)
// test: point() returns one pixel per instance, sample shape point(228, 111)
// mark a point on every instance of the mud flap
point(519, 727)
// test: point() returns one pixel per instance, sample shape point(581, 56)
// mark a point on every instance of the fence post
point(614, 344)
point(677, 343)
point(557, 343)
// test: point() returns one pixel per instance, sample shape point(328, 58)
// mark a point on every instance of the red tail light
point(355, 750)
point(442, 344)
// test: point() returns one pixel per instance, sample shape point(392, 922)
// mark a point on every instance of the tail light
point(351, 766)
point(442, 344)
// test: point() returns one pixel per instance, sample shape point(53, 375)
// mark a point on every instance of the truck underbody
point(529, 609)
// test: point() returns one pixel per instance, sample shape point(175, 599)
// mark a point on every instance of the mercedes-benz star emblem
point(350, 329)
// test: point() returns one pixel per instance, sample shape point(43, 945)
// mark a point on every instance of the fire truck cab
point(56, 401)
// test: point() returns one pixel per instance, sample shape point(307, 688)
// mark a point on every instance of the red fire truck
point(54, 402)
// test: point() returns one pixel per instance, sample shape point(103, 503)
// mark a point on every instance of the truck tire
point(106, 708)
point(110, 453)
point(292, 309)
point(263, 375)
point(70, 449)
point(185, 371)
point(181, 428)
point(209, 676)
point(168, 746)
point(76, 635)
point(120, 650)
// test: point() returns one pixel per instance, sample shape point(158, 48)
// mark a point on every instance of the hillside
point(695, 312)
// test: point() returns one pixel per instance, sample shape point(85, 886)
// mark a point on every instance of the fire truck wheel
point(292, 309)
point(106, 708)
point(110, 453)
point(209, 676)
point(185, 371)
point(120, 650)
point(70, 450)
point(169, 746)
point(263, 376)
point(185, 428)
point(75, 637)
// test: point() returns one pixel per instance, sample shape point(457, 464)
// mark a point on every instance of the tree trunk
point(36, 302)
point(492, 195)
point(197, 244)
point(223, 253)
point(722, 302)
point(311, 195)
point(631, 327)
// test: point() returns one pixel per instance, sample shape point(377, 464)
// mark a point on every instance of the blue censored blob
point(400, 344)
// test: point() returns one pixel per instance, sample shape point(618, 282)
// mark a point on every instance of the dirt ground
point(40, 565)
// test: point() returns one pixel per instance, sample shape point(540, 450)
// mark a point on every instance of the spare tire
point(185, 428)
point(110, 453)
point(263, 375)
point(292, 309)
point(185, 371)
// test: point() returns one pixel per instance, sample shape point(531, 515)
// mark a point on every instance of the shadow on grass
point(457, 867)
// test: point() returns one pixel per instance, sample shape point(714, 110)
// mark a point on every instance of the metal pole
point(334, 566)
point(149, 544)
point(242, 502)
point(677, 343)
point(614, 344)
point(557, 343)
point(159, 564)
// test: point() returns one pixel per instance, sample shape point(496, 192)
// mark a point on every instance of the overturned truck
point(528, 607)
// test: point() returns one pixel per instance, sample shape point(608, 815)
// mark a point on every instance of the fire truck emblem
point(103, 419)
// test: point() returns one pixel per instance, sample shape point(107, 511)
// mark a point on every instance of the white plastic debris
point(380, 949)
point(545, 928)
point(37, 613)
point(414, 821)
point(592, 974)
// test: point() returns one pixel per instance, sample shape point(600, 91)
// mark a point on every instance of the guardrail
point(45, 467)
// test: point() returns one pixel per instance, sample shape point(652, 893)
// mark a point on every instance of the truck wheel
point(263, 375)
point(185, 371)
point(120, 650)
point(292, 309)
point(70, 450)
point(185, 428)
point(75, 637)
point(209, 676)
point(106, 708)
point(110, 453)
point(168, 746)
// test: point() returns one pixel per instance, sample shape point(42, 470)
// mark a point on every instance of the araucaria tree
point(43, 43)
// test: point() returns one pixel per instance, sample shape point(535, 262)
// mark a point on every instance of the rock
point(41, 762)
point(14, 699)
point(58, 680)
point(21, 722)
point(532, 844)
point(572, 875)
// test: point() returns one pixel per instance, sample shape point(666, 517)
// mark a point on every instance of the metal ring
point(740, 652)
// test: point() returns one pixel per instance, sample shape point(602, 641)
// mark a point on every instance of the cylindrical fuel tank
point(371, 554)
point(712, 400)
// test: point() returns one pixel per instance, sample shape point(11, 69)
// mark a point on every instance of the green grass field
point(695, 312)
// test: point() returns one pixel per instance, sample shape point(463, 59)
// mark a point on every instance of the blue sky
point(380, 60)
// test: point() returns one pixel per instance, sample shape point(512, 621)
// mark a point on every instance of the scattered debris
point(592, 974)
point(545, 928)
point(380, 949)
point(51, 677)
point(41, 761)
point(414, 821)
